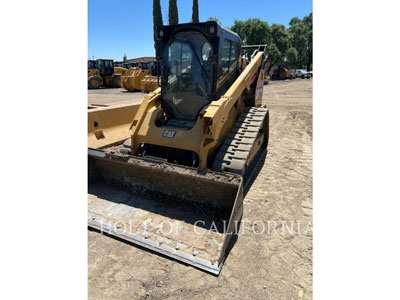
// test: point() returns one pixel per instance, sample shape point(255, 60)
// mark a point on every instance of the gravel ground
point(272, 265)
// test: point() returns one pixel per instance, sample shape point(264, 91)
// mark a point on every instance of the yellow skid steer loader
point(170, 174)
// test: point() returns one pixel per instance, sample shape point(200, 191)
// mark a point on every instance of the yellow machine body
point(136, 79)
point(214, 122)
point(111, 77)
point(148, 169)
point(118, 72)
point(148, 83)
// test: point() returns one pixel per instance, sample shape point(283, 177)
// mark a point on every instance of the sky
point(121, 27)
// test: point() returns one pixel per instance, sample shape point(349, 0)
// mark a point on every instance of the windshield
point(108, 64)
point(106, 67)
point(92, 65)
point(188, 75)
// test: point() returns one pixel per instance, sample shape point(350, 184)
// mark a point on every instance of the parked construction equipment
point(102, 73)
point(118, 72)
point(282, 73)
point(143, 78)
point(148, 84)
point(132, 79)
point(170, 174)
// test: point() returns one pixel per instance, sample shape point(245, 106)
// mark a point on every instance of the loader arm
point(148, 102)
point(218, 111)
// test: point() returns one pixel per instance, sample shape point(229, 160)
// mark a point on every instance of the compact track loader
point(170, 174)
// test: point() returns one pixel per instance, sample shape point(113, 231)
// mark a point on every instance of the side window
point(225, 56)
point(233, 57)
point(229, 56)
point(205, 51)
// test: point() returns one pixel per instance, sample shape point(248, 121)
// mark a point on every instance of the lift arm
point(218, 111)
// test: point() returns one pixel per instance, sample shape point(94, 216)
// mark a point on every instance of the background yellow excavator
point(170, 174)
point(102, 73)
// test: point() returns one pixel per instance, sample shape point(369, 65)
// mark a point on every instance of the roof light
point(211, 28)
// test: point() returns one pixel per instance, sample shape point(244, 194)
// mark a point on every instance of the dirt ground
point(270, 265)
point(105, 96)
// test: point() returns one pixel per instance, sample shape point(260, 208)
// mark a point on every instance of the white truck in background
point(303, 73)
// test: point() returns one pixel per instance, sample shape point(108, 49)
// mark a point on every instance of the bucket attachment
point(181, 212)
point(148, 84)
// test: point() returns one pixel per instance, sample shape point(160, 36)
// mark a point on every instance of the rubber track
point(233, 154)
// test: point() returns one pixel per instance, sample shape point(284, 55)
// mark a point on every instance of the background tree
point(173, 13)
point(280, 37)
point(124, 58)
point(291, 45)
point(255, 32)
point(252, 31)
point(274, 57)
point(157, 21)
point(308, 21)
point(278, 47)
point(291, 56)
point(195, 11)
point(294, 21)
point(300, 33)
point(300, 36)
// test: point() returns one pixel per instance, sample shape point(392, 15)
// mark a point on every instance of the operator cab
point(150, 65)
point(199, 61)
point(129, 65)
point(106, 67)
point(92, 64)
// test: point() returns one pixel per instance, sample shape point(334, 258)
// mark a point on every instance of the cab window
point(206, 51)
point(229, 56)
point(225, 56)
point(230, 52)
point(233, 58)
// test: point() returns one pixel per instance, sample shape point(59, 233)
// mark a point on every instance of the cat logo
point(169, 133)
